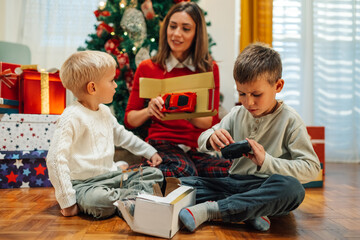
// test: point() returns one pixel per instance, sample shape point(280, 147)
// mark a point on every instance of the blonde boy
point(267, 181)
point(80, 159)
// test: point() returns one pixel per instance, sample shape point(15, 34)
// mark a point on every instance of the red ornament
point(147, 9)
point(117, 73)
point(178, 1)
point(129, 78)
point(123, 60)
point(111, 46)
point(98, 13)
point(103, 27)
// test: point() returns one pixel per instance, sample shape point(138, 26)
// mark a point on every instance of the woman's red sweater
point(176, 131)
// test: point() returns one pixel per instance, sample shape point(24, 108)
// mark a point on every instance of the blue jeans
point(241, 198)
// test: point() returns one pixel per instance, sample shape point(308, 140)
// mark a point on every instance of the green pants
point(96, 196)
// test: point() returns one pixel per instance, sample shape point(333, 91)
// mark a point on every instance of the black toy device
point(236, 150)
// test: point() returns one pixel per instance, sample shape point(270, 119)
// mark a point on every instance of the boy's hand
point(70, 211)
point(220, 138)
point(258, 155)
point(155, 160)
point(154, 107)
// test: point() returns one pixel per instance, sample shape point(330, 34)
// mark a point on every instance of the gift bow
point(6, 76)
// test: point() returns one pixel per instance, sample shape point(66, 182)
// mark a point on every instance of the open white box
point(159, 216)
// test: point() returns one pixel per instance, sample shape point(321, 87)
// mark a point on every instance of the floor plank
point(331, 212)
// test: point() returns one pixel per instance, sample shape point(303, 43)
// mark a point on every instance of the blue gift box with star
point(23, 169)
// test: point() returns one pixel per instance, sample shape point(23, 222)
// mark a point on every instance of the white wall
point(225, 27)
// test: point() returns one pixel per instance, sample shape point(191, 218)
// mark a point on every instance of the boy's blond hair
point(256, 60)
point(84, 67)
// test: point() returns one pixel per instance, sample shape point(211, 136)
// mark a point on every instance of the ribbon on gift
point(44, 84)
point(6, 77)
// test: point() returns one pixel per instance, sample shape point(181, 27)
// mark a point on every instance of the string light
point(125, 33)
point(102, 5)
point(152, 39)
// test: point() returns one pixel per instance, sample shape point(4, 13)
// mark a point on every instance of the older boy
point(266, 182)
point(80, 159)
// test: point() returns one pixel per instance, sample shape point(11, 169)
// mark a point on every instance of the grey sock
point(260, 223)
point(194, 216)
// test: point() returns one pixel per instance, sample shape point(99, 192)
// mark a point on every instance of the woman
point(183, 50)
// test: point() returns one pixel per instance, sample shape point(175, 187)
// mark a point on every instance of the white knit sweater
point(83, 147)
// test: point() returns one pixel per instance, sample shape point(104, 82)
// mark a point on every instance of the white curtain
point(319, 41)
point(55, 29)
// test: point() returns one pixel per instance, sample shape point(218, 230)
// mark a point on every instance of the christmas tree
point(129, 31)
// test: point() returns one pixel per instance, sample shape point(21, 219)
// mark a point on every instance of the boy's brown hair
point(256, 60)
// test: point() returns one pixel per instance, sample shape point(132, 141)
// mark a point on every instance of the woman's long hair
point(199, 49)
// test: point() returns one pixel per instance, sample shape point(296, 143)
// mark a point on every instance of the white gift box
point(159, 216)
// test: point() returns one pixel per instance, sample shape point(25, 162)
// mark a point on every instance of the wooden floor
point(332, 212)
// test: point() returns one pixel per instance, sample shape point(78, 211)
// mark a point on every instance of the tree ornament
point(153, 52)
point(142, 55)
point(123, 60)
point(117, 73)
point(99, 14)
point(111, 46)
point(103, 28)
point(147, 9)
point(133, 22)
point(178, 1)
point(129, 77)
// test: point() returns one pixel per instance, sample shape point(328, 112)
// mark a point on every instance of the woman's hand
point(155, 160)
point(154, 107)
point(258, 155)
point(220, 138)
point(70, 211)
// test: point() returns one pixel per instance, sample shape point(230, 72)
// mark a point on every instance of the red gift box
point(9, 84)
point(36, 98)
point(317, 136)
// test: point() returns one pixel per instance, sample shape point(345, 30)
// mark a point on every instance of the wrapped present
point(9, 106)
point(9, 84)
point(26, 132)
point(23, 169)
point(41, 92)
point(317, 136)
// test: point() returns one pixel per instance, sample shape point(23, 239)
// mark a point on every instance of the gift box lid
point(6, 155)
point(29, 118)
point(26, 132)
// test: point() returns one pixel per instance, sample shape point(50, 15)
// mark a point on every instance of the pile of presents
point(31, 100)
